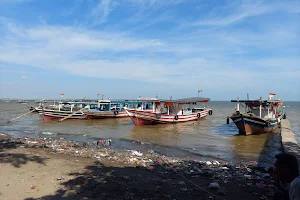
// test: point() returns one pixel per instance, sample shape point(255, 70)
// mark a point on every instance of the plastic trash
point(214, 186)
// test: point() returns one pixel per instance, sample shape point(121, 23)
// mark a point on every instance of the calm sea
point(208, 139)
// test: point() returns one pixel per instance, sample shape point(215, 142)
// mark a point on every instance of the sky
point(132, 48)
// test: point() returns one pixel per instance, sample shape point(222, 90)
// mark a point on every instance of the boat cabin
point(261, 108)
point(172, 107)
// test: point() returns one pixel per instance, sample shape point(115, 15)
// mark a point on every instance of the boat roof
point(257, 101)
point(188, 100)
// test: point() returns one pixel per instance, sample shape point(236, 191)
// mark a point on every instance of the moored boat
point(100, 109)
point(104, 109)
point(64, 110)
point(168, 111)
point(260, 116)
point(56, 114)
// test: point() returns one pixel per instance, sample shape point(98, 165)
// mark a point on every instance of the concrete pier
point(289, 142)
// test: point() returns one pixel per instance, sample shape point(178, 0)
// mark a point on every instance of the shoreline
point(157, 175)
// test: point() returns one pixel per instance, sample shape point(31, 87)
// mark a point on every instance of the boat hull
point(106, 115)
point(248, 124)
point(143, 117)
point(55, 115)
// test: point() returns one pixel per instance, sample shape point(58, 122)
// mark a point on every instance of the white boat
point(169, 111)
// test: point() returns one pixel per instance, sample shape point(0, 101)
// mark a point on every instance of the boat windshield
point(104, 107)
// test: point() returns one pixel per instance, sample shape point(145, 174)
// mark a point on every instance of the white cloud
point(101, 12)
point(184, 59)
point(238, 11)
point(24, 77)
point(156, 2)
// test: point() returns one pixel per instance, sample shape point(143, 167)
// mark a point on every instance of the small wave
point(48, 133)
point(29, 132)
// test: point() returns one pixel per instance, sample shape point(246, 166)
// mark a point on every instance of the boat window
point(103, 107)
point(93, 106)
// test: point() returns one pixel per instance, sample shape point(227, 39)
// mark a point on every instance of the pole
point(153, 107)
point(260, 111)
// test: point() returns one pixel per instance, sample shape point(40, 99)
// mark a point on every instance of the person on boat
point(287, 179)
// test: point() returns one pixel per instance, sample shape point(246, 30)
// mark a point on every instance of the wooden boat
point(168, 111)
point(23, 101)
point(64, 110)
point(42, 106)
point(260, 116)
point(100, 109)
point(104, 109)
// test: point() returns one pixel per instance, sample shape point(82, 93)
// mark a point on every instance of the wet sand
point(43, 169)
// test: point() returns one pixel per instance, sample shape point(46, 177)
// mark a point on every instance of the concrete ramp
point(289, 142)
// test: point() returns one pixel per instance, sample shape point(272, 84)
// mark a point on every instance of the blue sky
point(131, 48)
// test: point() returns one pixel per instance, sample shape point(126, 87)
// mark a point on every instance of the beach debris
point(208, 163)
point(214, 186)
point(248, 174)
point(181, 183)
point(135, 153)
point(104, 142)
point(260, 185)
point(221, 192)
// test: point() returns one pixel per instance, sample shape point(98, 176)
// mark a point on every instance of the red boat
point(170, 111)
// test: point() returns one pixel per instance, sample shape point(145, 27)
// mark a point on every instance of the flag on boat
point(199, 91)
point(271, 95)
point(62, 95)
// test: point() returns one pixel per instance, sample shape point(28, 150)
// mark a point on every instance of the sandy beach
point(37, 169)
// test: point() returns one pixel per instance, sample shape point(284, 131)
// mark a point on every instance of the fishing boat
point(100, 109)
point(65, 110)
point(42, 106)
point(6, 101)
point(110, 109)
point(23, 101)
point(260, 116)
point(154, 111)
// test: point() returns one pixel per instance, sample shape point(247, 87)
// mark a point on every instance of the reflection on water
point(210, 137)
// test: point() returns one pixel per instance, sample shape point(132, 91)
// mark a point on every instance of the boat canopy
point(192, 100)
point(260, 102)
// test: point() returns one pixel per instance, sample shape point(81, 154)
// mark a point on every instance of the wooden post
point(153, 107)
point(260, 111)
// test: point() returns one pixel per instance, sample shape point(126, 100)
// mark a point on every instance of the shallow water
point(210, 138)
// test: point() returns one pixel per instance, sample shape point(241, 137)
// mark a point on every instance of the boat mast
point(260, 110)
point(248, 101)
point(153, 106)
